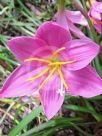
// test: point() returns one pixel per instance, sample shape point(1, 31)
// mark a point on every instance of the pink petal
point(98, 27)
point(76, 31)
point(62, 21)
point(26, 47)
point(0, 93)
point(76, 17)
point(50, 99)
point(16, 85)
point(53, 34)
point(95, 14)
point(82, 51)
point(84, 82)
point(97, 6)
point(96, 10)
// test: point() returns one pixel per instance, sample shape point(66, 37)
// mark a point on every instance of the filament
point(48, 77)
point(39, 75)
point(37, 59)
point(62, 78)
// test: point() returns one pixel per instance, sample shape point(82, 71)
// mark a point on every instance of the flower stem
point(61, 5)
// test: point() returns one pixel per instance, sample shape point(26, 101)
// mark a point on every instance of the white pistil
point(61, 90)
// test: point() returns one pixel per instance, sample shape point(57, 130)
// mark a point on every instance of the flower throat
point(54, 65)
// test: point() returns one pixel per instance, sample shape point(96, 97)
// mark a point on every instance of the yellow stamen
point(62, 78)
point(48, 77)
point(51, 64)
point(62, 63)
point(57, 51)
point(39, 75)
point(37, 59)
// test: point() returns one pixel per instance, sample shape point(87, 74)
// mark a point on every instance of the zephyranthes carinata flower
point(53, 65)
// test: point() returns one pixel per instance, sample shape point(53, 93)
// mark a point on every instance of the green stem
point(61, 5)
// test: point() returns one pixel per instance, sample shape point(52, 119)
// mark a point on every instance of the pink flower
point(68, 18)
point(95, 14)
point(52, 64)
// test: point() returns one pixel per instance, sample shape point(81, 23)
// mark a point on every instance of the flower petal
point(82, 51)
point(26, 47)
point(76, 17)
point(84, 82)
point(16, 85)
point(76, 31)
point(93, 13)
point(96, 10)
point(50, 99)
point(98, 27)
point(97, 6)
point(62, 21)
point(53, 34)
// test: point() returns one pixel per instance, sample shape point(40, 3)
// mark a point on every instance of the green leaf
point(25, 121)
point(39, 128)
point(52, 124)
point(83, 109)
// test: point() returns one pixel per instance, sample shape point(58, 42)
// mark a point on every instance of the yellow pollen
point(54, 65)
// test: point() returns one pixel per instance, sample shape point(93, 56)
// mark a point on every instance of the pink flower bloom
point(95, 14)
point(52, 64)
point(68, 18)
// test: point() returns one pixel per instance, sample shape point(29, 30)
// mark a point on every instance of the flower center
point(54, 64)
